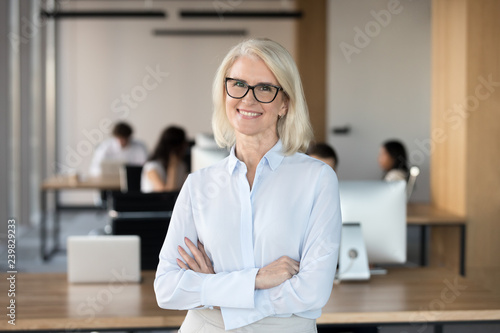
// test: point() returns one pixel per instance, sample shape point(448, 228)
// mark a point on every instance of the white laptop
point(111, 168)
point(104, 259)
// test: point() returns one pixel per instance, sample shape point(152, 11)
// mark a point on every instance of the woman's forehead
point(251, 69)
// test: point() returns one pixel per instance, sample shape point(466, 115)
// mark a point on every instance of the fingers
point(292, 266)
point(199, 262)
point(198, 255)
point(202, 250)
point(182, 264)
point(192, 264)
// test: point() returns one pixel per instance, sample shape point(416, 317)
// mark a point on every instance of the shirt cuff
point(236, 318)
point(264, 303)
point(232, 289)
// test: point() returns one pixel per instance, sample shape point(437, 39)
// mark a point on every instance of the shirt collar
point(233, 160)
point(273, 157)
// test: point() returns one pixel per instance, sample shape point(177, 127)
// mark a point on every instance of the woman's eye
point(239, 84)
point(265, 88)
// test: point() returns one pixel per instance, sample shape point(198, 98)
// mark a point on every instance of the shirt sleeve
point(143, 154)
point(395, 175)
point(152, 165)
point(310, 289)
point(99, 155)
point(180, 289)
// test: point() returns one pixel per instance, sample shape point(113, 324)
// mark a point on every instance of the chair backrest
point(146, 215)
point(152, 232)
point(130, 178)
point(414, 172)
point(143, 202)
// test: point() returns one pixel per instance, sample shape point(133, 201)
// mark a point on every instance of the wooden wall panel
point(448, 132)
point(483, 141)
point(311, 60)
point(465, 166)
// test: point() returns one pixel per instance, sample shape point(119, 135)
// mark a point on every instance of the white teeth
point(249, 114)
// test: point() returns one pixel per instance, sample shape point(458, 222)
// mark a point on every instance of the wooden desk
point(56, 184)
point(91, 183)
point(447, 238)
point(425, 213)
point(406, 295)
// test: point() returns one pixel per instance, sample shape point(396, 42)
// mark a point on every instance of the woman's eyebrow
point(268, 83)
point(237, 79)
point(264, 83)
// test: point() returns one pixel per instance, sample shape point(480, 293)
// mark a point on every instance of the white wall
point(379, 85)
point(101, 60)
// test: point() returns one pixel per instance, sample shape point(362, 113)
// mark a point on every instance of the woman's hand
point(200, 263)
point(276, 273)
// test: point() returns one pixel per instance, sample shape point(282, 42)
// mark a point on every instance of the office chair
point(152, 232)
point(122, 202)
point(130, 178)
point(414, 172)
point(146, 215)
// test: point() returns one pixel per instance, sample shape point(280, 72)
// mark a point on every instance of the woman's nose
point(249, 97)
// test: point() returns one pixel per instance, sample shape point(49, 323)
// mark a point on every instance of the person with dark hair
point(165, 170)
point(120, 148)
point(393, 161)
point(122, 131)
point(325, 153)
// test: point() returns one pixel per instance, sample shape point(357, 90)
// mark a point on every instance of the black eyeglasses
point(263, 92)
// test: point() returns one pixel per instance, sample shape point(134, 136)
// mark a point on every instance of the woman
point(253, 240)
point(165, 170)
point(392, 160)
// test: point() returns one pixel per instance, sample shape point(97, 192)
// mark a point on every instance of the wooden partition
point(311, 61)
point(448, 131)
point(465, 162)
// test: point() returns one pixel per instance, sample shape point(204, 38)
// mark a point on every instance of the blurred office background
point(372, 70)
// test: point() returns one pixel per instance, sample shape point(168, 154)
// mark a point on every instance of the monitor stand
point(378, 271)
point(353, 259)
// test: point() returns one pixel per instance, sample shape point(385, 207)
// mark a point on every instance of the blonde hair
point(294, 128)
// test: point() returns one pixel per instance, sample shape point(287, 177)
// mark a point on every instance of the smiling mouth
point(249, 113)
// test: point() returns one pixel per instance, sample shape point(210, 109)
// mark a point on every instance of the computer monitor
point(111, 168)
point(380, 208)
point(205, 152)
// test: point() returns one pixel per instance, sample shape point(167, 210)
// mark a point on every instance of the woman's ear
point(284, 107)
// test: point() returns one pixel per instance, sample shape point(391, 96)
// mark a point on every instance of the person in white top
point(393, 161)
point(120, 148)
point(166, 170)
point(253, 241)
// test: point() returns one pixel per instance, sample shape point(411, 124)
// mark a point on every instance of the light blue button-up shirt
point(293, 210)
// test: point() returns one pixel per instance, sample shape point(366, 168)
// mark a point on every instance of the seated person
point(120, 148)
point(325, 153)
point(166, 170)
point(392, 160)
